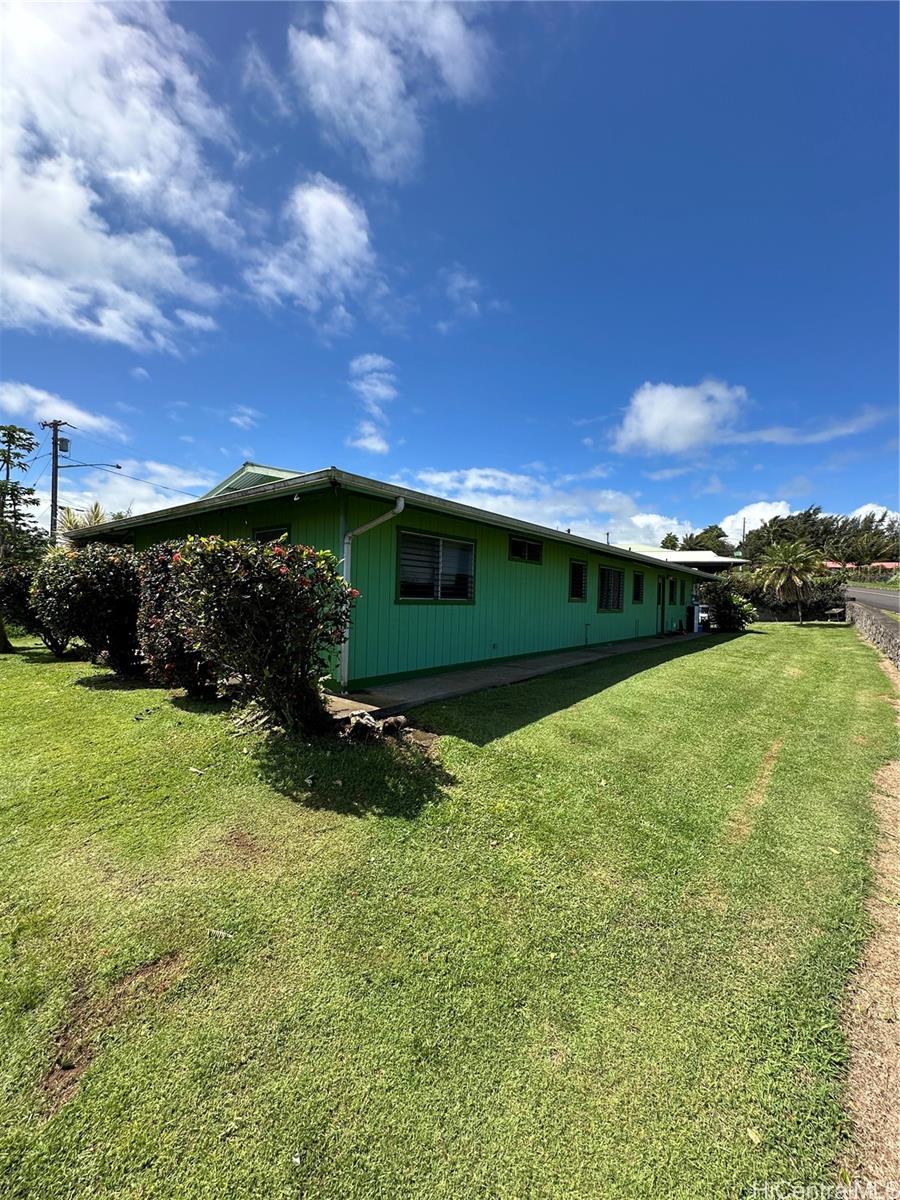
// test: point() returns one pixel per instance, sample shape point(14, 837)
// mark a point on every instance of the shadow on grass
point(46, 658)
point(115, 683)
point(384, 779)
point(202, 708)
point(482, 717)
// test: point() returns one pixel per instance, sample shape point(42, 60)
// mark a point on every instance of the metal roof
point(692, 556)
point(334, 478)
point(249, 474)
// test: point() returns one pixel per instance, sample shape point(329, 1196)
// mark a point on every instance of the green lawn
point(594, 946)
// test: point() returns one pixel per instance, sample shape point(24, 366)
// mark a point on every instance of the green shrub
point(272, 614)
point(168, 658)
point(729, 612)
point(18, 610)
point(92, 594)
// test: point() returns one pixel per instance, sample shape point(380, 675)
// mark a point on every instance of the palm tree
point(79, 518)
point(786, 570)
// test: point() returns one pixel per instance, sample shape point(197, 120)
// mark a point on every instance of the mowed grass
point(594, 945)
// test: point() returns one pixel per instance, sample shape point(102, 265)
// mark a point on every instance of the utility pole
point(55, 427)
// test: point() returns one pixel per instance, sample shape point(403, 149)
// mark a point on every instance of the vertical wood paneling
point(520, 608)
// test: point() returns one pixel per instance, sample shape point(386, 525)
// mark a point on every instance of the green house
point(442, 584)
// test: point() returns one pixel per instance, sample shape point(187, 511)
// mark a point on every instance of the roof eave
point(332, 477)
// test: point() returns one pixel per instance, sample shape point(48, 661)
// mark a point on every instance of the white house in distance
point(700, 560)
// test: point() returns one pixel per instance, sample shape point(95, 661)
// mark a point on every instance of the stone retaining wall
point(877, 627)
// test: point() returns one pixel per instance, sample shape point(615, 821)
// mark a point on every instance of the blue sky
point(614, 267)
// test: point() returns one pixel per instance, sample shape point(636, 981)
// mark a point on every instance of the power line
point(103, 441)
point(43, 472)
point(150, 482)
point(36, 457)
point(97, 439)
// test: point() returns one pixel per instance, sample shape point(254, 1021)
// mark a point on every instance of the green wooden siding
point(313, 521)
point(520, 608)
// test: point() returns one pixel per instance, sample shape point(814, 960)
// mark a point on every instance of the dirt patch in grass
point(741, 823)
point(872, 1013)
point(236, 849)
point(76, 1041)
point(422, 739)
point(793, 672)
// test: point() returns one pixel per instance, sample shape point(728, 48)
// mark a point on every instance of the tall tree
point(20, 538)
point(712, 538)
point(786, 571)
point(670, 542)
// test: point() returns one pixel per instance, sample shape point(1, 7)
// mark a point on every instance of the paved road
point(880, 597)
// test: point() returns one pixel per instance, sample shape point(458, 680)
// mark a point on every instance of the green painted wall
point(519, 608)
point(312, 521)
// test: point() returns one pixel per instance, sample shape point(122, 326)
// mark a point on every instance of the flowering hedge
point(270, 613)
point(92, 594)
point(17, 608)
point(168, 658)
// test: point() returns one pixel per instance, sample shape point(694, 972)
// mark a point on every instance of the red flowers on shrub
point(272, 614)
point(170, 660)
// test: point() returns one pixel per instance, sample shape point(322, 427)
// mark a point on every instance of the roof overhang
point(333, 478)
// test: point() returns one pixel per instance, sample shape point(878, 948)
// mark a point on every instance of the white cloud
point(141, 486)
point(374, 381)
point(373, 378)
point(104, 113)
point(327, 259)
point(257, 76)
point(866, 510)
point(590, 512)
point(166, 474)
point(600, 471)
point(463, 290)
point(754, 515)
point(364, 363)
point(369, 437)
point(782, 435)
point(371, 72)
point(33, 404)
point(202, 322)
point(245, 417)
point(667, 473)
point(664, 418)
point(141, 374)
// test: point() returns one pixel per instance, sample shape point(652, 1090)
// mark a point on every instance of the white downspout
point(399, 505)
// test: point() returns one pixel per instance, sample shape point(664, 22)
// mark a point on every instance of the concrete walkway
point(389, 698)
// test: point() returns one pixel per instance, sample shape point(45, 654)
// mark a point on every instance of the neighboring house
point(875, 566)
point(700, 560)
point(442, 584)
